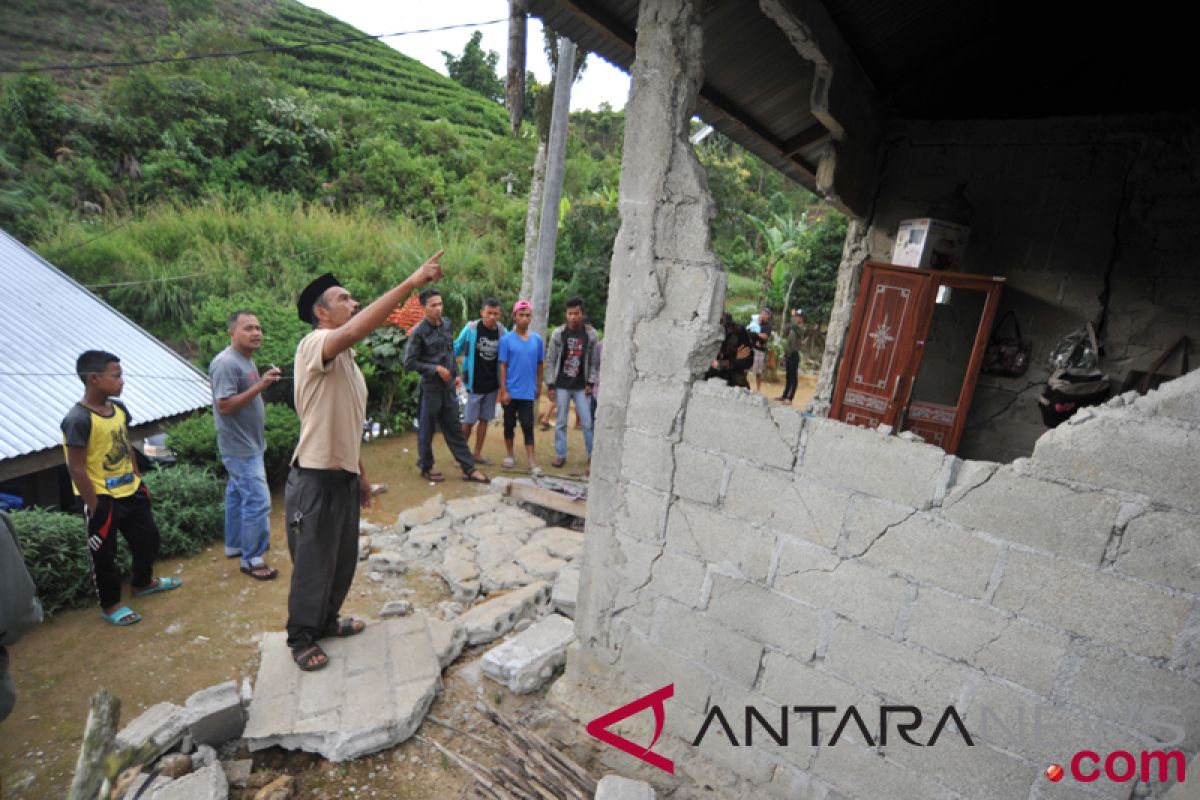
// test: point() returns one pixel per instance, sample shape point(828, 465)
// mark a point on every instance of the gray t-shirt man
point(241, 434)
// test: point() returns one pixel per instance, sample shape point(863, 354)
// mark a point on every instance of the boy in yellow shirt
point(104, 474)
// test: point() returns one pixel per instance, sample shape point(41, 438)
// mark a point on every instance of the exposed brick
point(863, 460)
point(654, 666)
point(727, 653)
point(976, 773)
point(932, 551)
point(678, 577)
point(899, 671)
point(985, 638)
point(1163, 548)
point(816, 576)
point(648, 459)
point(859, 772)
point(1094, 604)
point(789, 682)
point(655, 405)
point(738, 423)
point(698, 474)
point(727, 543)
point(1039, 514)
point(799, 506)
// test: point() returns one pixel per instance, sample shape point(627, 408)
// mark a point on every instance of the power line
point(238, 53)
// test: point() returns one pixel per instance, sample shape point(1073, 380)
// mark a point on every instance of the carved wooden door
point(875, 374)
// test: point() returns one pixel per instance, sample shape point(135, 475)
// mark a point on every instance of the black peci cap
point(312, 293)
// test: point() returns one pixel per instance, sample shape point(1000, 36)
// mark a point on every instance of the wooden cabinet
point(914, 350)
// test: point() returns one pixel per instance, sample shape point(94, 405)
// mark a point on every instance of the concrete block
point(1093, 604)
point(518, 522)
point(679, 577)
point(790, 783)
point(866, 520)
point(691, 289)
point(496, 616)
point(1163, 548)
point(498, 579)
point(816, 576)
point(614, 787)
point(648, 460)
point(964, 562)
point(864, 461)
point(785, 502)
point(1038, 513)
point(478, 527)
point(998, 644)
point(448, 637)
point(162, 725)
point(857, 772)
point(699, 639)
point(974, 773)
point(641, 511)
point(461, 576)
point(566, 591)
point(426, 541)
point(208, 783)
point(1139, 695)
point(764, 615)
point(669, 349)
point(423, 514)
point(1125, 451)
point(656, 406)
point(788, 681)
point(527, 661)
point(464, 508)
point(900, 672)
point(540, 564)
point(755, 436)
point(698, 475)
point(389, 562)
point(396, 608)
point(215, 714)
point(561, 543)
point(654, 666)
point(492, 551)
point(727, 543)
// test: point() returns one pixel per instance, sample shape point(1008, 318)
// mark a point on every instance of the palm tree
point(780, 237)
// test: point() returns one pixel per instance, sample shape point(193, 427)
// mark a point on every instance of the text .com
point(1121, 766)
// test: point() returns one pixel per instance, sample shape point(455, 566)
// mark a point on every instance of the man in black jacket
point(430, 351)
point(735, 356)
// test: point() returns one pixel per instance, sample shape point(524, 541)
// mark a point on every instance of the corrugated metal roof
point(46, 321)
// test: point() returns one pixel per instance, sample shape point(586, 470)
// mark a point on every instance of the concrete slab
point(215, 714)
point(208, 783)
point(566, 590)
point(505, 576)
point(466, 507)
point(162, 724)
point(561, 543)
point(526, 662)
point(389, 562)
point(614, 787)
point(373, 694)
point(423, 514)
point(396, 608)
point(448, 637)
point(495, 617)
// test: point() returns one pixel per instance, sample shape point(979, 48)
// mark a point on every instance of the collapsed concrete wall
point(1088, 219)
point(753, 556)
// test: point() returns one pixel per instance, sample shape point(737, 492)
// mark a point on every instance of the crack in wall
point(1122, 209)
point(881, 534)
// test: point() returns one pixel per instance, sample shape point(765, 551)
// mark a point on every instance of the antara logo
point(905, 719)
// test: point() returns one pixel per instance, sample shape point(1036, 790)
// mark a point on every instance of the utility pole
point(556, 153)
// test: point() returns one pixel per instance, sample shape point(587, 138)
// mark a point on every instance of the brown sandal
point(261, 572)
point(432, 475)
point(303, 656)
point(476, 476)
point(348, 626)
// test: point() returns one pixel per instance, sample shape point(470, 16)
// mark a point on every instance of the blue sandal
point(159, 585)
point(122, 617)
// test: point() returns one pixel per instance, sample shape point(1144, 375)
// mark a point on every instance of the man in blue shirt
point(521, 361)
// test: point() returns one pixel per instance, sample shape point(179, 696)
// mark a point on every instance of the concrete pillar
point(855, 251)
point(667, 289)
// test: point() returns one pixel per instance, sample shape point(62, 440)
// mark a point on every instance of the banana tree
point(780, 237)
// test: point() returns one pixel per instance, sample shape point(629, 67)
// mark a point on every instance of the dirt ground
point(207, 632)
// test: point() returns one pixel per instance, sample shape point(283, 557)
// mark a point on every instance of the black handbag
point(1007, 356)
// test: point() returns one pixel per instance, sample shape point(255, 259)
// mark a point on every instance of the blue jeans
point(247, 509)
point(583, 406)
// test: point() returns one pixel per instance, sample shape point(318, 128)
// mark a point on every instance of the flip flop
point(159, 585)
point(302, 655)
point(260, 572)
point(122, 617)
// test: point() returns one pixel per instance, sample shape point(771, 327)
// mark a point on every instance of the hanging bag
point(1007, 356)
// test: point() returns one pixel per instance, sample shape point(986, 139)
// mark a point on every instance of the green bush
point(188, 506)
point(194, 442)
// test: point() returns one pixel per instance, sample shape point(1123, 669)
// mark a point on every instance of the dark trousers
point(439, 407)
point(522, 411)
point(321, 509)
point(792, 367)
point(133, 518)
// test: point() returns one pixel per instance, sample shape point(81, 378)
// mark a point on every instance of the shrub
point(188, 507)
point(194, 442)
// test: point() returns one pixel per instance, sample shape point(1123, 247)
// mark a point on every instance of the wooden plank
point(554, 501)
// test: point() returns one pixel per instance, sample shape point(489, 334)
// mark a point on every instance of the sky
point(601, 82)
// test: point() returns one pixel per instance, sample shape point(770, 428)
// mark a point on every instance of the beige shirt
point(331, 399)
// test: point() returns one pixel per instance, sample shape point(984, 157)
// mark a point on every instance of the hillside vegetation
point(166, 185)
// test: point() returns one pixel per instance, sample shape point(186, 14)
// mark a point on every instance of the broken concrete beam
point(389, 562)
point(466, 507)
point(540, 564)
point(492, 551)
point(373, 695)
point(448, 637)
point(208, 783)
point(215, 714)
point(426, 540)
point(423, 514)
point(495, 617)
point(561, 543)
point(614, 787)
point(519, 522)
point(162, 725)
point(482, 526)
point(566, 590)
point(526, 661)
